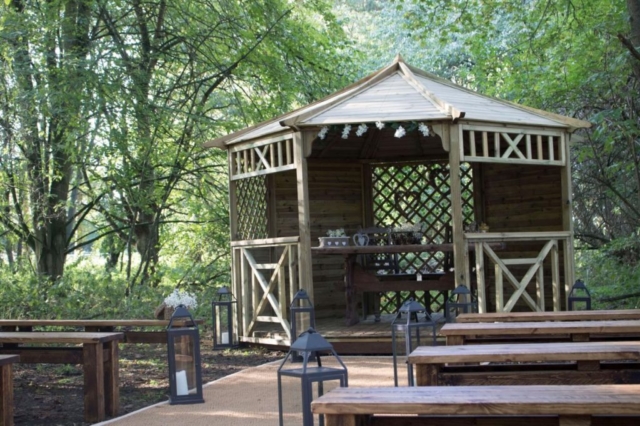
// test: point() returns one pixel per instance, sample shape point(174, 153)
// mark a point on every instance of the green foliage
point(611, 273)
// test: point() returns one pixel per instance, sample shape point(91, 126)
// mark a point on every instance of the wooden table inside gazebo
point(352, 284)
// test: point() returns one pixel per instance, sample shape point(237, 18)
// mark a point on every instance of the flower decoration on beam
point(401, 129)
point(400, 132)
point(345, 131)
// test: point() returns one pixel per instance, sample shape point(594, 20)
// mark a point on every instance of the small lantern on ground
point(579, 294)
point(301, 316)
point(223, 309)
point(311, 346)
point(409, 322)
point(183, 347)
point(461, 300)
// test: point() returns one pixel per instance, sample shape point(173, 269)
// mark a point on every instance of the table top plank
point(9, 359)
point(90, 323)
point(527, 352)
point(596, 315)
point(541, 328)
point(57, 337)
point(483, 400)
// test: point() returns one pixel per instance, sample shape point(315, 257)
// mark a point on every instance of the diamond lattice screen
point(419, 193)
point(251, 194)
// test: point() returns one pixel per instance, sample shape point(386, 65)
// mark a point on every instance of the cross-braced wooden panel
point(419, 193)
point(251, 194)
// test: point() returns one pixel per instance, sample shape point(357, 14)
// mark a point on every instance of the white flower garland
point(362, 128)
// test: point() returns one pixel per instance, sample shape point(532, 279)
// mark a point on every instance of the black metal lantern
point(461, 300)
point(223, 309)
point(311, 346)
point(183, 348)
point(410, 320)
point(579, 294)
point(302, 316)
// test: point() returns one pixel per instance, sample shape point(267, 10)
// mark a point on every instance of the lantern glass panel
point(184, 348)
point(223, 330)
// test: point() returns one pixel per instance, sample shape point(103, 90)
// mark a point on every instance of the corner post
point(460, 260)
point(305, 274)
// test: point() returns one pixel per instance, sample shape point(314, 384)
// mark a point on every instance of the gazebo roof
point(400, 92)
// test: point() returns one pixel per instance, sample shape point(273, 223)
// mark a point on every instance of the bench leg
point(6, 395)
point(344, 420)
point(93, 365)
point(575, 421)
point(112, 379)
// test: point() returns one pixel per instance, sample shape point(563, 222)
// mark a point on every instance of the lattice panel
point(251, 194)
point(434, 301)
point(415, 193)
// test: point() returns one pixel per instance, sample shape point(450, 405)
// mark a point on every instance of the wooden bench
point(532, 332)
point(598, 315)
point(102, 326)
point(98, 356)
point(6, 389)
point(596, 405)
point(528, 363)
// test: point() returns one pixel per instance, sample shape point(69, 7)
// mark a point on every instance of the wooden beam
point(304, 222)
point(567, 222)
point(461, 274)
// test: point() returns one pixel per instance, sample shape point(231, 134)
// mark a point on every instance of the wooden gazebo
point(400, 146)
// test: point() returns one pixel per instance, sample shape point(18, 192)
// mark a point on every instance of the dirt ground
point(51, 394)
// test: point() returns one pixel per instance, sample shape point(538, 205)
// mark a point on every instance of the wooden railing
point(262, 285)
point(536, 268)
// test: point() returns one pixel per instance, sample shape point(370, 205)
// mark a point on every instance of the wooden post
point(246, 274)
point(461, 275)
point(305, 271)
point(6, 394)
point(112, 379)
point(93, 365)
point(567, 222)
point(482, 297)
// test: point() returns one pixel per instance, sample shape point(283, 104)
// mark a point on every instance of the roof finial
point(397, 59)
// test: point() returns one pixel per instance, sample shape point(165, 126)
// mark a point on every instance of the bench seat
point(97, 352)
point(528, 363)
point(472, 405)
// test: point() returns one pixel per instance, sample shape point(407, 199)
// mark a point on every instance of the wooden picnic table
point(102, 325)
point(6, 389)
point(528, 363)
point(570, 405)
point(523, 332)
point(98, 355)
point(597, 315)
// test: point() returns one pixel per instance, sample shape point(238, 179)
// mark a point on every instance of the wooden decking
point(365, 338)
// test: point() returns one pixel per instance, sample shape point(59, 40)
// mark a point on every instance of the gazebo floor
point(365, 338)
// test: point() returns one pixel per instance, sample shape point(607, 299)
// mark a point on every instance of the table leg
point(350, 292)
point(112, 379)
point(93, 366)
point(6, 395)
